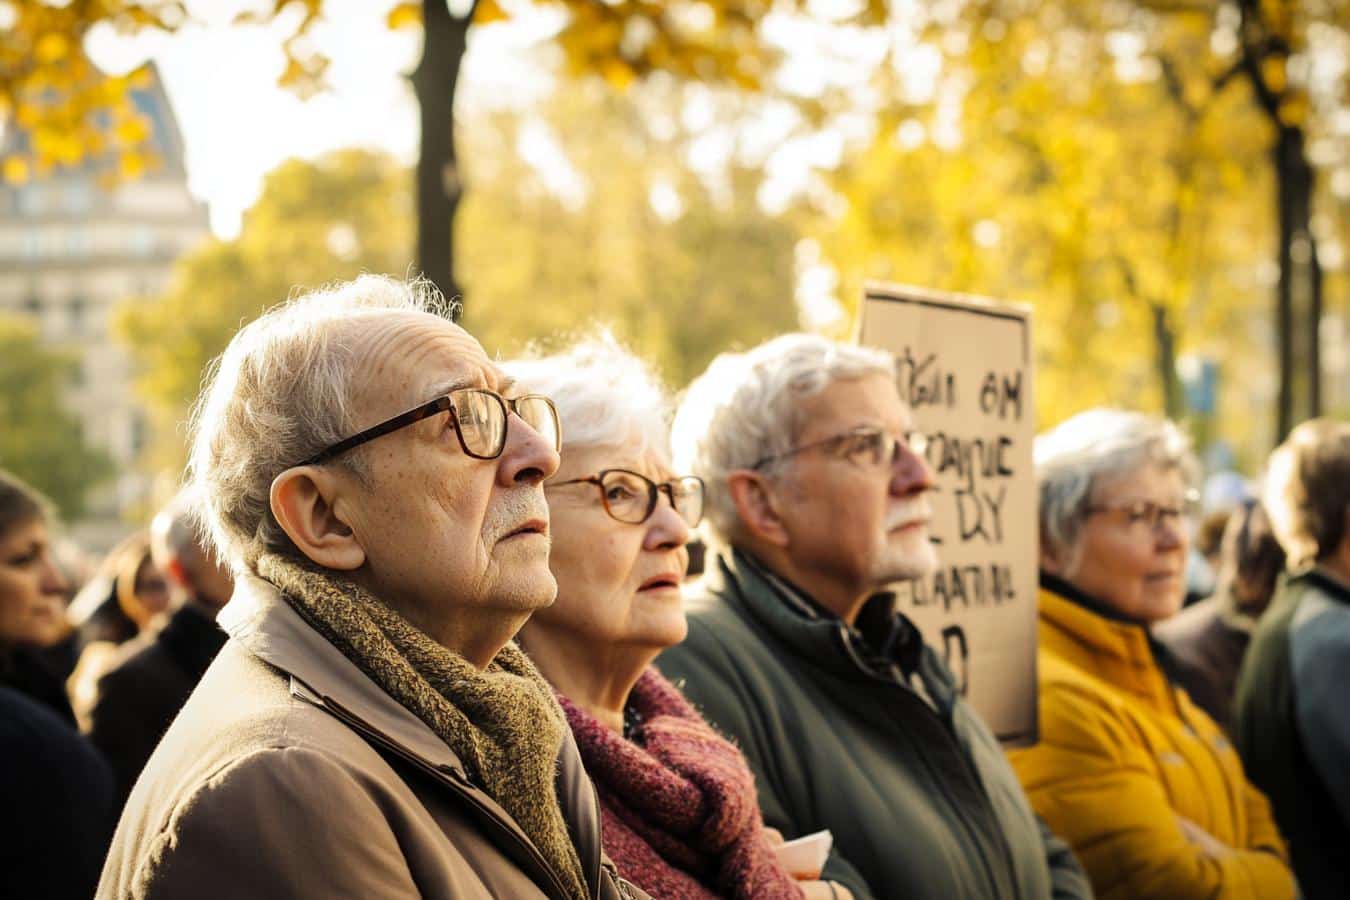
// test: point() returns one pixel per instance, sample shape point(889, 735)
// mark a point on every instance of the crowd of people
point(424, 624)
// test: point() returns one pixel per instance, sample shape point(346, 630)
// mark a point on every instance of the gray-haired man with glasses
point(817, 501)
point(369, 729)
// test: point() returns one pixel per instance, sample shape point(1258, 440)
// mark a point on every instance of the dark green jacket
point(1292, 726)
point(920, 798)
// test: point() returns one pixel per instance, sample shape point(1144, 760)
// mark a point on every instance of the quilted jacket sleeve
point(1096, 786)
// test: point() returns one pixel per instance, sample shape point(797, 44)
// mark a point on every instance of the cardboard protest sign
point(965, 371)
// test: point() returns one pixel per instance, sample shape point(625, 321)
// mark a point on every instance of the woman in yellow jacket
point(1138, 779)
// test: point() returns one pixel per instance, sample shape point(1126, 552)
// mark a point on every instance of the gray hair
point(605, 395)
point(1102, 444)
point(746, 407)
point(281, 392)
point(175, 531)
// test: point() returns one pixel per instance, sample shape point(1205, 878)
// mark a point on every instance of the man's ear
point(757, 506)
point(302, 500)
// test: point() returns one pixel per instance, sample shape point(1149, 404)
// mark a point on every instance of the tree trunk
point(1300, 284)
point(1166, 344)
point(439, 187)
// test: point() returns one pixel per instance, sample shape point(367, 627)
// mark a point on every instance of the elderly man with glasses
point(369, 729)
point(817, 500)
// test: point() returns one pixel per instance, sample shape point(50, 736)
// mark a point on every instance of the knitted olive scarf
point(503, 723)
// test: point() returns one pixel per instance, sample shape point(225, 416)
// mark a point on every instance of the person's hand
point(1202, 840)
point(824, 890)
point(774, 836)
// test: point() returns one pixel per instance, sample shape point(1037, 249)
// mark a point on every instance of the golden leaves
point(65, 110)
point(404, 15)
point(489, 11)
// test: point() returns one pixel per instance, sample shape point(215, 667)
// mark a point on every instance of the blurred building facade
point(71, 249)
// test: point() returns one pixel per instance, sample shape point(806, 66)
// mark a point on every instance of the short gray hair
point(605, 395)
point(746, 407)
point(1095, 446)
point(281, 392)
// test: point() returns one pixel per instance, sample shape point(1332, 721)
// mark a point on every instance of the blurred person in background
point(1292, 715)
point(122, 599)
point(116, 606)
point(1142, 782)
point(57, 791)
point(817, 503)
point(1208, 639)
point(680, 815)
point(151, 676)
point(369, 728)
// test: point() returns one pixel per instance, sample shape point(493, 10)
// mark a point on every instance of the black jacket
point(59, 806)
point(152, 678)
point(917, 792)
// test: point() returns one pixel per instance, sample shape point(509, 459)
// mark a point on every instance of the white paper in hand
point(805, 856)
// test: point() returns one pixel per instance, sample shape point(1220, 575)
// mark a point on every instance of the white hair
point(1099, 445)
point(281, 392)
point(606, 396)
point(745, 407)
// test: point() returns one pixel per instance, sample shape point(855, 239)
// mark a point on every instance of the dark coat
point(916, 790)
point(29, 671)
point(59, 805)
point(290, 774)
point(148, 684)
point(1292, 726)
point(1206, 643)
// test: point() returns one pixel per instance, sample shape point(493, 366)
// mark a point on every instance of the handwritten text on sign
point(964, 369)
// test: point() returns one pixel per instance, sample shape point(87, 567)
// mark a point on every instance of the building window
point(78, 198)
point(79, 308)
point(143, 241)
point(32, 304)
point(139, 432)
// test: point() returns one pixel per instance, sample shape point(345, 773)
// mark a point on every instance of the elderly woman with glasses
point(680, 817)
point(1134, 775)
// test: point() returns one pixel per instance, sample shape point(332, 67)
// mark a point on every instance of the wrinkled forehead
point(406, 358)
point(844, 403)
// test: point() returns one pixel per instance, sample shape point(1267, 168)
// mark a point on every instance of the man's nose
point(910, 473)
point(528, 457)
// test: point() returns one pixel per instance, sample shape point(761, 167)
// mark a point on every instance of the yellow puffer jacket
point(1124, 756)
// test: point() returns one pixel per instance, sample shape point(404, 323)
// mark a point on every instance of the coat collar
point(885, 646)
point(265, 624)
point(1080, 631)
point(262, 621)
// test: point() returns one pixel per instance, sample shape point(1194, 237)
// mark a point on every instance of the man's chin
point(911, 560)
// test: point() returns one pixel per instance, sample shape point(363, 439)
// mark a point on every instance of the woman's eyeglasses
point(631, 498)
point(1141, 514)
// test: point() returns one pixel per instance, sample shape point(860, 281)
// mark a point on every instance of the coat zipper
point(450, 777)
point(971, 771)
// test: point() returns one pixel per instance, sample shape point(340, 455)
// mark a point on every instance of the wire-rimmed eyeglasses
point(876, 445)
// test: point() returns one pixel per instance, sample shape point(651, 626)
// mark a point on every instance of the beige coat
point(290, 774)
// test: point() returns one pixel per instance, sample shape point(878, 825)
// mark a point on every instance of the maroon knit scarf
point(679, 815)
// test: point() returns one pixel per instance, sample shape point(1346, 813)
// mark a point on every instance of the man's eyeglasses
point(1140, 514)
point(478, 415)
point(631, 498)
point(867, 444)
